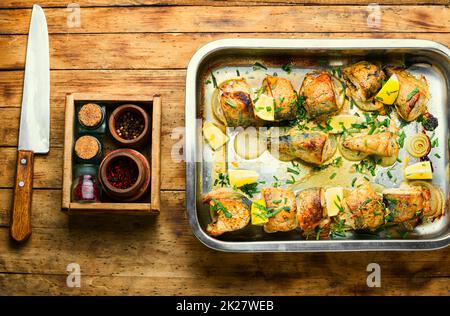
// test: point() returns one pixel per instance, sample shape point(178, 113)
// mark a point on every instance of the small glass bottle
point(88, 150)
point(85, 188)
point(91, 119)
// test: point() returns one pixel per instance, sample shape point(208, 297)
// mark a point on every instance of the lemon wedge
point(265, 108)
point(419, 171)
point(258, 212)
point(239, 177)
point(389, 91)
point(333, 199)
point(214, 136)
point(343, 121)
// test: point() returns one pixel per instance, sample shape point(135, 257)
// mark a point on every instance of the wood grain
point(161, 51)
point(143, 47)
point(69, 116)
point(156, 154)
point(263, 19)
point(17, 284)
point(23, 189)
point(116, 3)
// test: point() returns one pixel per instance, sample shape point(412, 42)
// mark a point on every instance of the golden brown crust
point(308, 146)
point(284, 95)
point(319, 95)
point(413, 95)
point(363, 79)
point(280, 199)
point(365, 207)
point(310, 209)
point(236, 103)
point(381, 144)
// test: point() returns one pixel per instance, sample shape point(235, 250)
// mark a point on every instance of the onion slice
point(418, 145)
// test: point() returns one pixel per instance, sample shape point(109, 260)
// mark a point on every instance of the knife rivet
point(21, 183)
point(23, 161)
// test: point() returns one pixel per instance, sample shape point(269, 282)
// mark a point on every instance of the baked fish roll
point(310, 209)
point(382, 144)
point(363, 81)
point(406, 203)
point(314, 147)
point(281, 210)
point(363, 207)
point(323, 94)
point(284, 96)
point(413, 95)
point(232, 103)
point(230, 211)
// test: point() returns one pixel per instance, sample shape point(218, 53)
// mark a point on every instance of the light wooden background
point(143, 46)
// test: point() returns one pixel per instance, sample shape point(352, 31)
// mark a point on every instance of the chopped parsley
point(230, 103)
point(250, 189)
point(258, 65)
point(401, 139)
point(214, 80)
point(219, 207)
point(287, 68)
point(222, 180)
point(412, 93)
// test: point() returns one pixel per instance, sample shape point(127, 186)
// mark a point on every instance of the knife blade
point(34, 132)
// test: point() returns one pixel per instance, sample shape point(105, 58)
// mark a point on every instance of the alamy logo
point(74, 16)
point(374, 277)
point(74, 277)
point(374, 17)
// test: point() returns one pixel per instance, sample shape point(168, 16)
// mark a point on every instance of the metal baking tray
point(423, 57)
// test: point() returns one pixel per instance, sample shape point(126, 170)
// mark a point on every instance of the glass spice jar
point(91, 119)
point(88, 150)
point(85, 186)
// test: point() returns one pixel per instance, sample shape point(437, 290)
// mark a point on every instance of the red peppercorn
point(86, 189)
point(122, 173)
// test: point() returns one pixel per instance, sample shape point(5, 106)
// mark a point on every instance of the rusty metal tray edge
point(192, 153)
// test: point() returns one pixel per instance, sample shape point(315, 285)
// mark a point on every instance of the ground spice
point(87, 147)
point(86, 189)
point(130, 125)
point(90, 115)
point(122, 173)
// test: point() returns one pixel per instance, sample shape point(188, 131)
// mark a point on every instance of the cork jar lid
point(87, 147)
point(90, 115)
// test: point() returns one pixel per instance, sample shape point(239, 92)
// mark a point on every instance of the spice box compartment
point(150, 202)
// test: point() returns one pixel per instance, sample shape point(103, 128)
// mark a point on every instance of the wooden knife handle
point(21, 212)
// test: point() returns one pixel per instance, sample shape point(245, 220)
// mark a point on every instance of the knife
point(34, 133)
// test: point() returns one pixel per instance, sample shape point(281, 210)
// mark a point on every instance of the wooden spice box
point(150, 204)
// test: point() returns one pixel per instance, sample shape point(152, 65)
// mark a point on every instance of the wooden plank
point(110, 248)
point(264, 19)
point(41, 284)
point(48, 169)
point(170, 84)
point(103, 3)
point(106, 249)
point(47, 211)
point(149, 51)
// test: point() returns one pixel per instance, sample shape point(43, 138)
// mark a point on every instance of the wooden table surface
point(143, 46)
